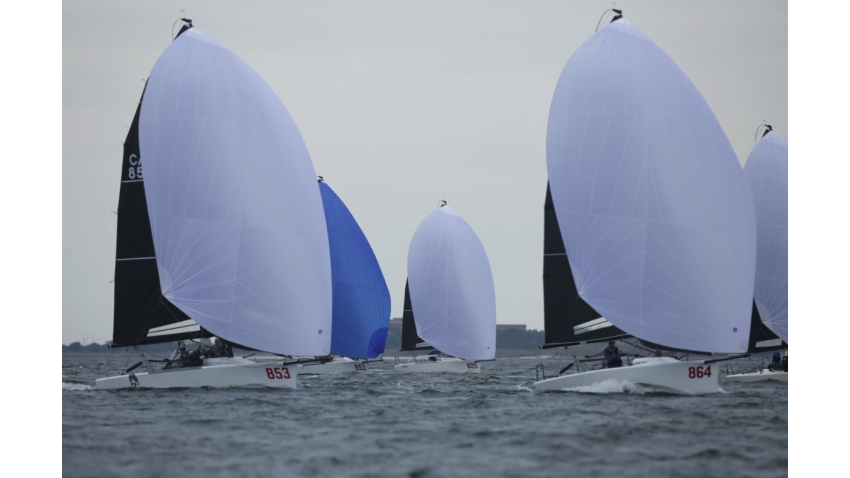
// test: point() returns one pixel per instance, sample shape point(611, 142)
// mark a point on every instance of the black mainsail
point(568, 319)
point(410, 340)
point(141, 314)
point(762, 339)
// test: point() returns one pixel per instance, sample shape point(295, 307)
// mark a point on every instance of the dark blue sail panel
point(361, 299)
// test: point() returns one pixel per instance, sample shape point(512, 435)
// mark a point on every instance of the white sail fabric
point(236, 216)
point(451, 287)
point(767, 171)
point(653, 206)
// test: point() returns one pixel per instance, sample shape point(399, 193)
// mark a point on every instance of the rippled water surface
point(420, 425)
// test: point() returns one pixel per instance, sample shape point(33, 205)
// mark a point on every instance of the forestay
point(361, 299)
point(767, 171)
point(652, 204)
point(451, 287)
point(237, 220)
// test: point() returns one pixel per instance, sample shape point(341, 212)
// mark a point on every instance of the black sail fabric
point(762, 339)
point(568, 318)
point(139, 305)
point(409, 337)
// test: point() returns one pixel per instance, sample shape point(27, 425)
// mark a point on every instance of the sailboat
point(766, 170)
point(361, 299)
point(569, 321)
point(223, 232)
point(654, 213)
point(450, 289)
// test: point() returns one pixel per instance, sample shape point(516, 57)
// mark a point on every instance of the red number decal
point(699, 372)
point(277, 373)
point(471, 365)
point(286, 372)
point(360, 367)
point(270, 373)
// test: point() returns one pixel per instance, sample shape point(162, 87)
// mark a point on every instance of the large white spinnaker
point(767, 171)
point(451, 287)
point(237, 220)
point(655, 212)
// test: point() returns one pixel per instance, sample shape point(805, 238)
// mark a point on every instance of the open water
point(382, 424)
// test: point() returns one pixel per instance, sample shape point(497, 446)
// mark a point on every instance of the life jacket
point(612, 356)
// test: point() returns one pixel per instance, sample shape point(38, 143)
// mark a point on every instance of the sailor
point(195, 358)
point(222, 349)
point(179, 354)
point(785, 362)
point(612, 355)
point(432, 356)
point(775, 361)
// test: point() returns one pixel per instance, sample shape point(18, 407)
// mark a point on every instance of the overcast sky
point(400, 104)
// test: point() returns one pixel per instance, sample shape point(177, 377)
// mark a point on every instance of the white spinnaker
point(451, 287)
point(767, 171)
point(236, 216)
point(653, 206)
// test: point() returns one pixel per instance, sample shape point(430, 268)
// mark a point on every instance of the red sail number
point(278, 373)
point(699, 372)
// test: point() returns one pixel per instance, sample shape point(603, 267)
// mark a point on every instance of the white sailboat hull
point(759, 376)
point(337, 365)
point(453, 365)
point(689, 378)
point(220, 372)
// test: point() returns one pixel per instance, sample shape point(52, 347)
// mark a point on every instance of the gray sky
point(400, 104)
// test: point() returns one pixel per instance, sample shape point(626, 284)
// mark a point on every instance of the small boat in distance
point(766, 170)
point(450, 287)
point(223, 232)
point(654, 213)
point(361, 299)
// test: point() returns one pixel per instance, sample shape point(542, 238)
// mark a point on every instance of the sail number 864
point(278, 372)
point(699, 372)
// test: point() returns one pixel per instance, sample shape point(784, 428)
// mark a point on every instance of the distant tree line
point(505, 339)
point(96, 348)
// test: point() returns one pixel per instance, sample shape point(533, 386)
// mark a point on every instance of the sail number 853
point(277, 372)
point(699, 372)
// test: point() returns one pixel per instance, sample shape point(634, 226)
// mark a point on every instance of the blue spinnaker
point(361, 299)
